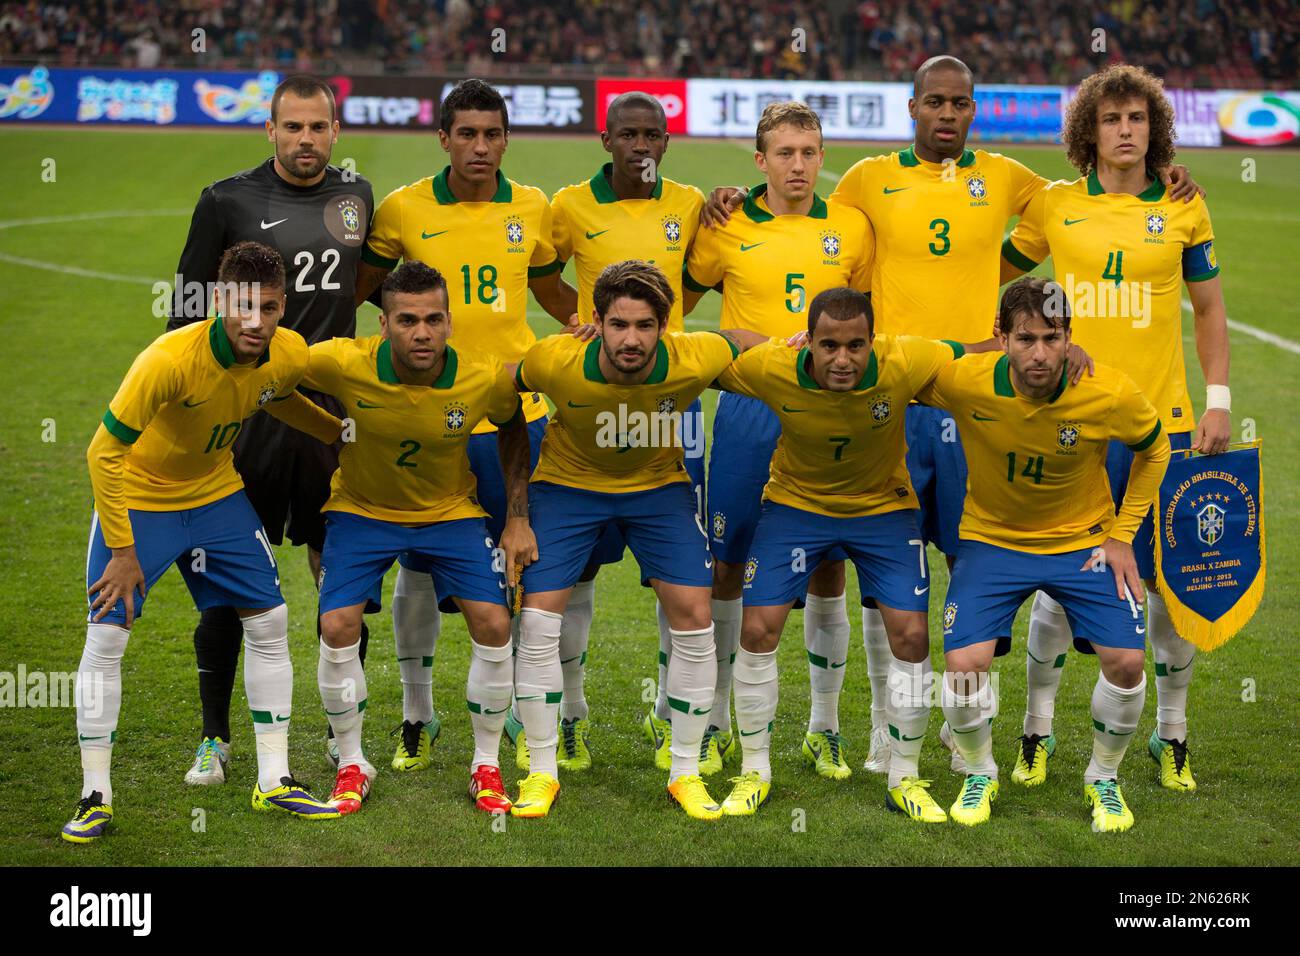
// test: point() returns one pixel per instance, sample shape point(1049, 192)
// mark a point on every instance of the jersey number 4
point(1033, 467)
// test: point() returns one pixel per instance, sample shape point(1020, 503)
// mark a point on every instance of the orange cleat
point(351, 788)
point(487, 790)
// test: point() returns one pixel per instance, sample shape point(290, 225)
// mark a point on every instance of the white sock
point(727, 616)
point(826, 638)
point(908, 714)
point(879, 656)
point(575, 633)
point(970, 716)
point(662, 710)
point(539, 686)
point(692, 678)
point(342, 682)
point(1115, 715)
point(98, 698)
point(268, 686)
point(1049, 643)
point(487, 692)
point(756, 696)
point(1173, 657)
point(416, 625)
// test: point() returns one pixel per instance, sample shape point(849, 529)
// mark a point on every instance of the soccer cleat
point(351, 788)
point(487, 791)
point(975, 802)
point(209, 762)
point(89, 820)
point(878, 754)
point(1110, 814)
point(912, 797)
point(573, 752)
point(749, 793)
point(292, 797)
point(536, 794)
point(958, 762)
point(331, 748)
point(660, 733)
point(825, 751)
point(690, 792)
point(413, 749)
point(515, 734)
point(1174, 760)
point(716, 749)
point(1031, 759)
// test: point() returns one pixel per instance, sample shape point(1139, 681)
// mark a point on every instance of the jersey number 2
point(330, 259)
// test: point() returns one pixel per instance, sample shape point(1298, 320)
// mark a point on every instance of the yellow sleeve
point(1137, 424)
point(537, 361)
point(927, 357)
point(544, 260)
point(940, 393)
point(1024, 184)
point(503, 401)
point(298, 411)
point(849, 189)
point(561, 227)
point(1199, 260)
point(325, 367)
point(1026, 247)
point(704, 267)
point(384, 244)
point(861, 277)
point(745, 374)
point(1203, 231)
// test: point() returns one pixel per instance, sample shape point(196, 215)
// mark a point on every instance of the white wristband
point(1218, 396)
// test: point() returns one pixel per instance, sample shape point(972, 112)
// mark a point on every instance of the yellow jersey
point(770, 267)
point(487, 251)
point(406, 461)
point(1122, 261)
point(938, 229)
point(619, 438)
point(840, 453)
point(1036, 468)
point(165, 441)
point(595, 228)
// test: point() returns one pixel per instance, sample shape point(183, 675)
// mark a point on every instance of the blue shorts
point(938, 470)
point(744, 436)
point(886, 549)
point(609, 549)
point(359, 551)
point(1119, 459)
point(220, 549)
point(660, 526)
point(990, 583)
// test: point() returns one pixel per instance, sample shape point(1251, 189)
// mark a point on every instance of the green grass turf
point(69, 339)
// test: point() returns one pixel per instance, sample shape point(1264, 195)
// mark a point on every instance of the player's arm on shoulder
point(744, 373)
point(717, 209)
point(1026, 247)
point(939, 391)
point(742, 340)
point(199, 261)
point(298, 411)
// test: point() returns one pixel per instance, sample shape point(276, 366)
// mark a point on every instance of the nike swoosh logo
point(980, 418)
point(745, 248)
point(1031, 654)
point(593, 235)
point(700, 713)
point(574, 405)
point(268, 225)
point(400, 659)
point(430, 235)
point(334, 713)
point(890, 192)
point(750, 733)
point(1175, 670)
point(1125, 733)
point(905, 737)
point(836, 667)
point(281, 718)
point(565, 661)
point(1071, 222)
point(1143, 630)
point(501, 711)
point(188, 404)
point(364, 404)
point(919, 591)
point(787, 408)
point(84, 737)
point(530, 697)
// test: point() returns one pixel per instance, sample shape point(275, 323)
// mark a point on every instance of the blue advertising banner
point(1017, 114)
point(1210, 557)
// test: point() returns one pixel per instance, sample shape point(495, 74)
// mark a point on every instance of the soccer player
point(612, 455)
point(839, 481)
point(316, 216)
point(404, 487)
point(491, 238)
point(626, 211)
point(938, 211)
point(785, 246)
point(1123, 252)
point(1039, 516)
point(166, 492)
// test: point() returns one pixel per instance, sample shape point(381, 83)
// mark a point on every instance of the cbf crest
point(672, 229)
point(1067, 437)
point(949, 616)
point(832, 242)
point(1209, 522)
point(881, 409)
point(667, 405)
point(977, 189)
point(350, 215)
point(1155, 221)
point(455, 415)
point(751, 569)
point(514, 230)
point(267, 393)
point(719, 525)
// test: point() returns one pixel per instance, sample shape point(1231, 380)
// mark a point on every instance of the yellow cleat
point(694, 797)
point(660, 733)
point(824, 750)
point(536, 794)
point(975, 802)
point(1031, 759)
point(574, 754)
point(1175, 763)
point(912, 797)
point(515, 734)
point(413, 748)
point(749, 793)
point(716, 749)
point(1110, 814)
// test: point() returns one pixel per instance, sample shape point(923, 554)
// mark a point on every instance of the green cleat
point(824, 750)
point(574, 754)
point(1175, 762)
point(660, 734)
point(1031, 759)
point(515, 734)
point(416, 741)
point(975, 802)
point(1110, 814)
point(716, 749)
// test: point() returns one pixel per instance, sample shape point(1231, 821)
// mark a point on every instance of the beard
point(290, 161)
point(612, 355)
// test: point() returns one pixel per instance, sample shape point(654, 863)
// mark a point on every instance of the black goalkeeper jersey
point(319, 230)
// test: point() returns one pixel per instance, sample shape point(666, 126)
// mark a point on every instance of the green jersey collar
point(804, 359)
point(604, 192)
point(388, 374)
point(1002, 380)
point(591, 364)
point(758, 214)
point(908, 157)
point(442, 192)
point(1153, 193)
point(223, 351)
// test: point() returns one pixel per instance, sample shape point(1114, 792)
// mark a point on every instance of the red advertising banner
point(670, 93)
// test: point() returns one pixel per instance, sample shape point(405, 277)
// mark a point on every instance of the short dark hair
point(634, 99)
point(248, 262)
point(472, 94)
point(633, 279)
point(943, 62)
point(306, 86)
point(412, 278)
point(841, 304)
point(1031, 296)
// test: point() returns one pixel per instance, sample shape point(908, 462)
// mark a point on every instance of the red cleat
point(351, 788)
point(487, 791)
